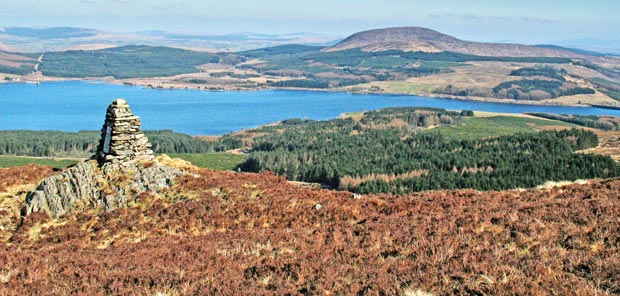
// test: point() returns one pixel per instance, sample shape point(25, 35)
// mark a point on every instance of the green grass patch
point(213, 161)
point(13, 161)
point(352, 114)
point(483, 127)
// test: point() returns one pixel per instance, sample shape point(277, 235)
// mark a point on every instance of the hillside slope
point(427, 40)
point(8, 48)
point(224, 233)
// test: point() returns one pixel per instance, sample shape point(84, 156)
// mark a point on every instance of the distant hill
point(127, 62)
point(92, 46)
point(50, 33)
point(63, 38)
point(575, 50)
point(593, 44)
point(15, 63)
point(280, 49)
point(427, 40)
point(8, 48)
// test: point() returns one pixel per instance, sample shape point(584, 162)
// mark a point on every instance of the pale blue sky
point(528, 21)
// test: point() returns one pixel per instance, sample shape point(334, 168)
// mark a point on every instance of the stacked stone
point(122, 141)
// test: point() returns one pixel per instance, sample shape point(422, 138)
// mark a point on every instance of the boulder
point(88, 186)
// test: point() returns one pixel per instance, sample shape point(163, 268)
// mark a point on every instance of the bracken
point(192, 242)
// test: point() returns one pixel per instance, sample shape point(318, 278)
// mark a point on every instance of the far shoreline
point(345, 102)
point(156, 86)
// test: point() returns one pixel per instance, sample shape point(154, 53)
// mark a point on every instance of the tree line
point(135, 61)
point(531, 89)
point(84, 143)
point(376, 155)
point(606, 123)
point(545, 71)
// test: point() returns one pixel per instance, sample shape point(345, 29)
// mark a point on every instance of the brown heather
point(220, 233)
point(22, 175)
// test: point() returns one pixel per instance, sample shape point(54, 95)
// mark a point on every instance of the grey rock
point(57, 194)
point(87, 186)
point(122, 169)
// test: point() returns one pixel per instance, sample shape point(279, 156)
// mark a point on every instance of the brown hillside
point(427, 40)
point(224, 233)
point(90, 46)
point(11, 177)
point(8, 48)
point(14, 60)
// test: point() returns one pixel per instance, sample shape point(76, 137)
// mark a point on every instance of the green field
point(352, 114)
point(482, 127)
point(213, 161)
point(13, 161)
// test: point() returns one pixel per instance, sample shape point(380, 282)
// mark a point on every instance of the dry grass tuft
point(559, 184)
point(416, 292)
point(174, 162)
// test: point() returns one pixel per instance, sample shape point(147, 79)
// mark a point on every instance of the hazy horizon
point(528, 21)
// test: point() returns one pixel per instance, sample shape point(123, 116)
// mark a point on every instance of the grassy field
point(482, 77)
point(13, 161)
point(397, 87)
point(353, 114)
point(213, 161)
point(481, 127)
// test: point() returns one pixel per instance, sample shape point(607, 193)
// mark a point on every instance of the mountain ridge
point(44, 39)
point(50, 33)
point(427, 40)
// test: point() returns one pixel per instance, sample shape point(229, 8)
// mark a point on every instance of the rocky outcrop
point(58, 194)
point(88, 186)
point(122, 169)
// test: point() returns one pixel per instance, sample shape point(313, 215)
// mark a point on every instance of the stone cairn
point(122, 141)
point(121, 149)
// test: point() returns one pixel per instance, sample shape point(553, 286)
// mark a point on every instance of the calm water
point(74, 106)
